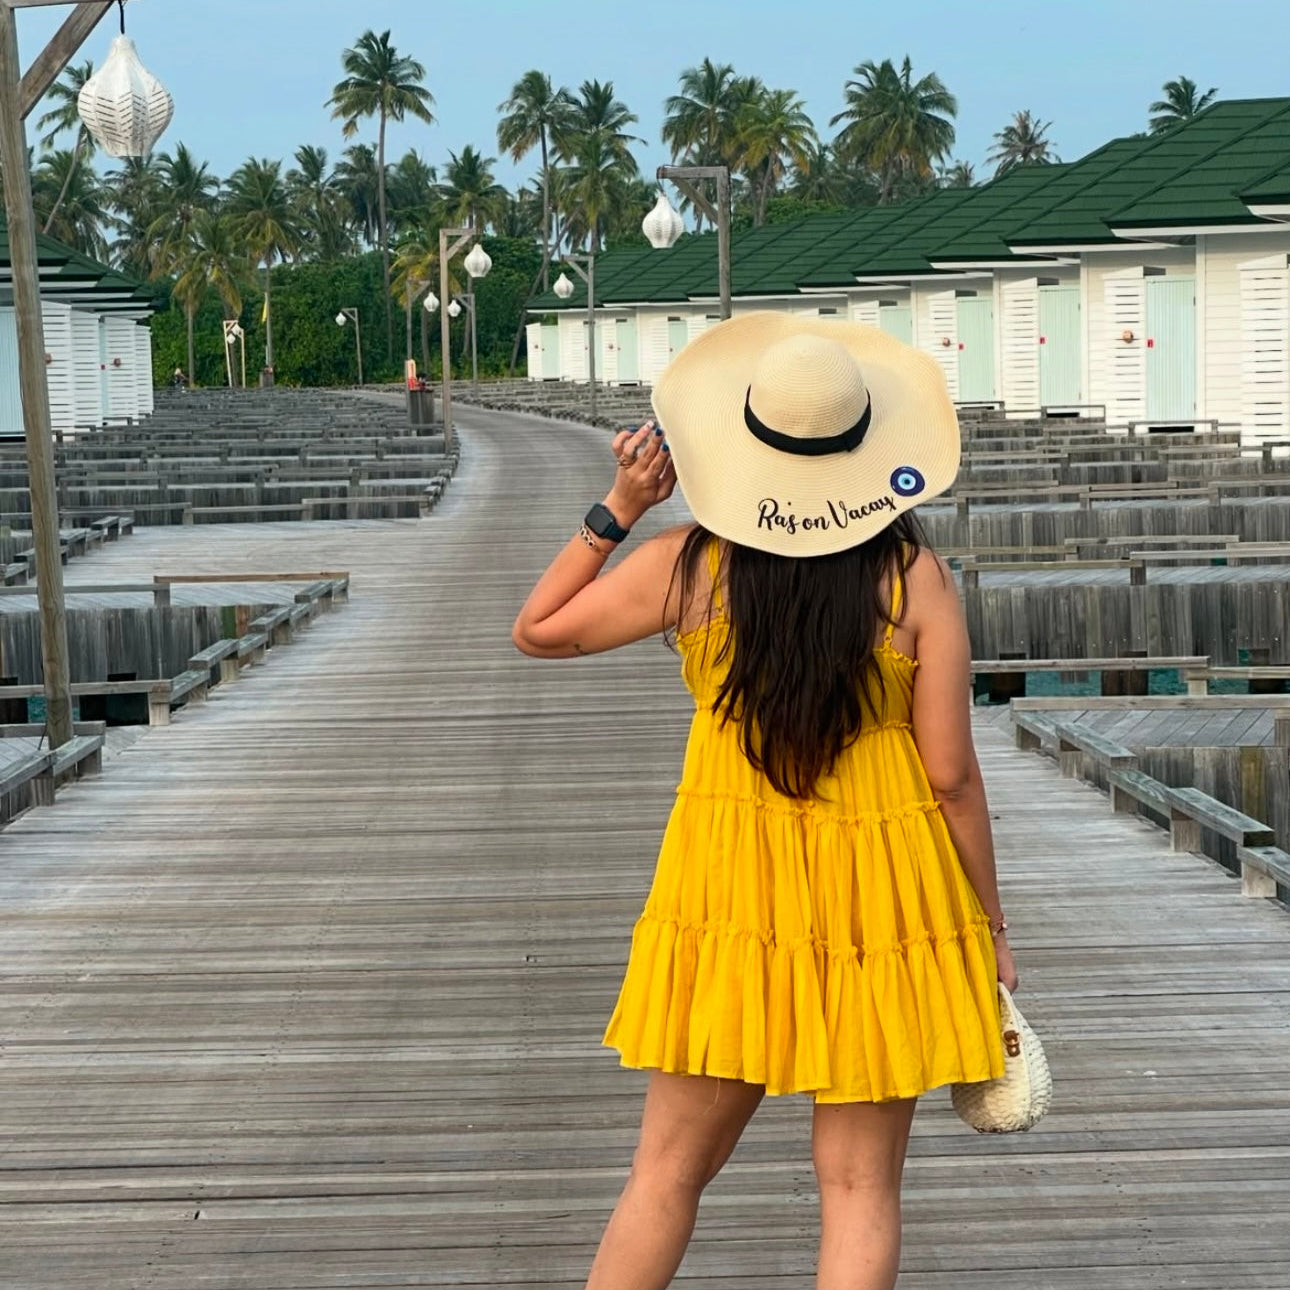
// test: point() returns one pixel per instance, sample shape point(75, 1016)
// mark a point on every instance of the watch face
point(601, 521)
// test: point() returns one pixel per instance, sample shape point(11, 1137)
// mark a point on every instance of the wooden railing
point(220, 662)
point(1263, 866)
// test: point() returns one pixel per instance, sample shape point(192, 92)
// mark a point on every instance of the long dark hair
point(801, 645)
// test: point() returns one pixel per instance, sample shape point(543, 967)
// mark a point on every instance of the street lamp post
point(664, 231)
point(234, 335)
point(564, 289)
point(467, 298)
point(477, 263)
point(131, 96)
point(348, 315)
point(412, 288)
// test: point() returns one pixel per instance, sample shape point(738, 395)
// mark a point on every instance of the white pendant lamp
point(478, 262)
point(124, 106)
point(563, 287)
point(663, 225)
point(431, 303)
point(454, 310)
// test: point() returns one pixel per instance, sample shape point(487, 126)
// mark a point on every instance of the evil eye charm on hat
point(907, 481)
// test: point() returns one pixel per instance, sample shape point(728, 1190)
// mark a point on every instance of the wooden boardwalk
point(306, 991)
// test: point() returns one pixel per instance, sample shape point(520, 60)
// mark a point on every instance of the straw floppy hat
point(802, 437)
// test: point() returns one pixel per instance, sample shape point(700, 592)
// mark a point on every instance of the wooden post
point(34, 387)
point(446, 252)
point(723, 239)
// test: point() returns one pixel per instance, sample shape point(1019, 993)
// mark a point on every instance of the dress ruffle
point(840, 973)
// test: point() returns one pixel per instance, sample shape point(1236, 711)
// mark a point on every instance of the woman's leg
point(859, 1150)
point(690, 1127)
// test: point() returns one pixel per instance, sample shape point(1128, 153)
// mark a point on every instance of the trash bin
point(421, 408)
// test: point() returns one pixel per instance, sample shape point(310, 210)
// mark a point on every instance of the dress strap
point(897, 603)
point(714, 571)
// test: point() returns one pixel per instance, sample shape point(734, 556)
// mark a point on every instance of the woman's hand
point(645, 476)
point(1007, 967)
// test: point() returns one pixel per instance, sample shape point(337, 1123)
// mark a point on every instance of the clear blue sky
point(251, 76)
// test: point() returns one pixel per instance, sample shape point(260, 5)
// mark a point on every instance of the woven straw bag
point(1021, 1096)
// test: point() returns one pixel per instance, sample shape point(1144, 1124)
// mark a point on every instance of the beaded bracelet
point(586, 535)
point(1002, 927)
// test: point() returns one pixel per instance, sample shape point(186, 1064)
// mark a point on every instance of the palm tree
point(71, 200)
point(266, 220)
point(531, 116)
point(187, 189)
point(469, 194)
point(381, 82)
point(699, 121)
point(772, 131)
point(412, 192)
point(594, 191)
point(65, 115)
point(135, 194)
point(360, 183)
point(958, 174)
point(1182, 100)
point(1022, 142)
point(597, 112)
point(894, 124)
point(320, 209)
point(823, 179)
point(210, 256)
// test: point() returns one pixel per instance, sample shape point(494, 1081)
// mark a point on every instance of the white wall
point(1223, 376)
point(87, 373)
point(651, 341)
point(121, 359)
point(10, 393)
point(573, 346)
point(143, 368)
point(59, 372)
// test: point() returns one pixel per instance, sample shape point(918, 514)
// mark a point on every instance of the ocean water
point(1089, 684)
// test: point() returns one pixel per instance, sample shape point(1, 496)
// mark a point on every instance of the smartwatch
point(600, 520)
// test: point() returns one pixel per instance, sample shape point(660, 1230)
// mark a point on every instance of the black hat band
point(800, 447)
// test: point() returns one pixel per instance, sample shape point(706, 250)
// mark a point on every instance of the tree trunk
point(546, 222)
point(268, 318)
point(67, 183)
point(190, 313)
point(425, 343)
point(383, 234)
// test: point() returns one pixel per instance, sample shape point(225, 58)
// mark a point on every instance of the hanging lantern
point(663, 225)
point(431, 303)
point(454, 310)
point(478, 262)
point(123, 105)
point(563, 287)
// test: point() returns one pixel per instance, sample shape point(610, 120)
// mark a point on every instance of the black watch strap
point(602, 522)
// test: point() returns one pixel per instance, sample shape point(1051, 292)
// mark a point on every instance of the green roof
point(1054, 184)
point(1202, 171)
point(1271, 187)
point(1186, 175)
point(911, 247)
point(64, 270)
point(1240, 138)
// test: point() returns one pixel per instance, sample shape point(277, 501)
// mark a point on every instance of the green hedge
point(309, 347)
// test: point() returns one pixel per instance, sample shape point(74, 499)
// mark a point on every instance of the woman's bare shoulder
point(928, 582)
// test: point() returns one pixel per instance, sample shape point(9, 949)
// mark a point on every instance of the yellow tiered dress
point(832, 946)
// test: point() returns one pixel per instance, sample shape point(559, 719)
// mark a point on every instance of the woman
point(824, 917)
